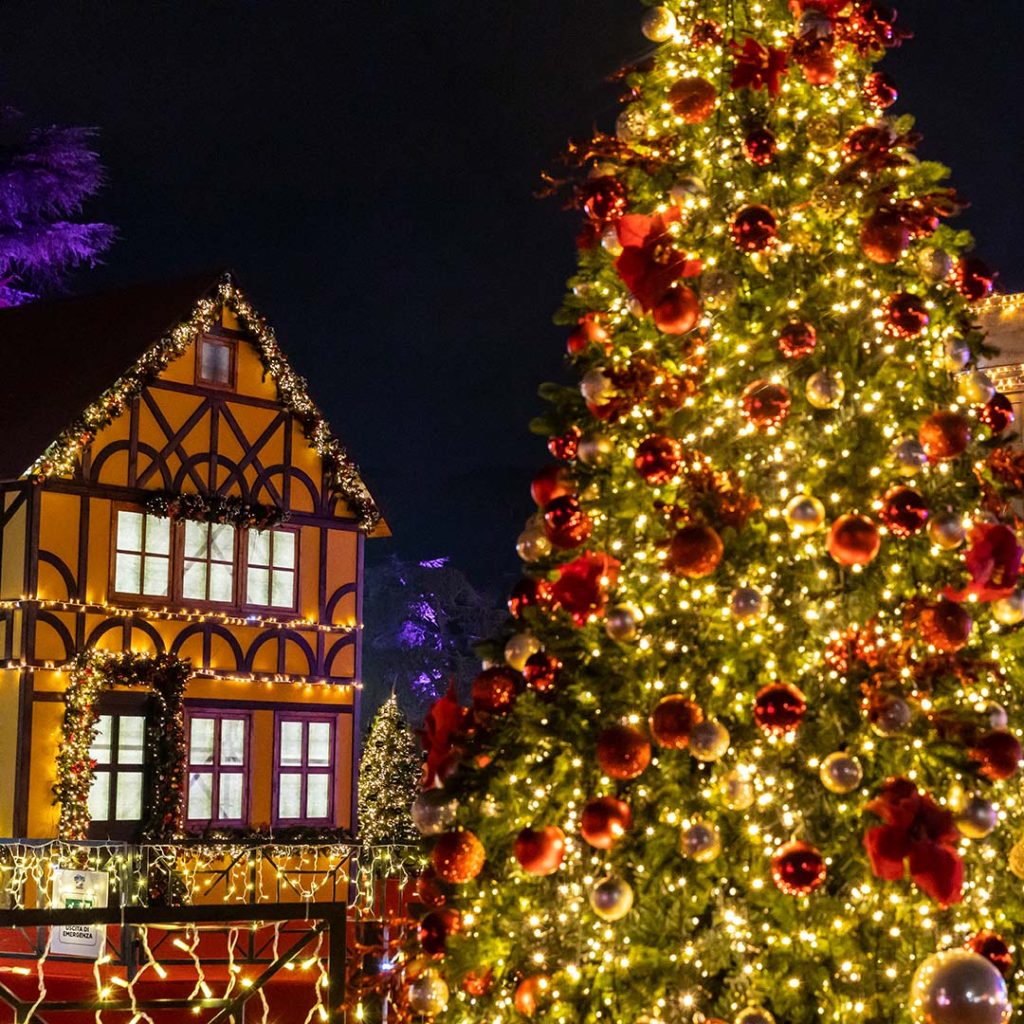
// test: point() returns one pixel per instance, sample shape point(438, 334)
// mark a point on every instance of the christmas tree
point(389, 775)
point(746, 755)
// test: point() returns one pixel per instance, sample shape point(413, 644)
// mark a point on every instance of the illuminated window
point(270, 568)
point(217, 755)
point(142, 554)
point(216, 364)
point(304, 760)
point(118, 752)
point(209, 562)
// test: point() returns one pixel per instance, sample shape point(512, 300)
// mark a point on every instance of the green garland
point(215, 508)
point(92, 672)
point(61, 456)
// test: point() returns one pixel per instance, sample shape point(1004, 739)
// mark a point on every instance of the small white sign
point(79, 890)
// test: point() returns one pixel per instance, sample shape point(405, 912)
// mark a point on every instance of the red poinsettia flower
point(760, 67)
point(829, 7)
point(581, 585)
point(993, 560)
point(919, 836)
point(649, 262)
point(445, 722)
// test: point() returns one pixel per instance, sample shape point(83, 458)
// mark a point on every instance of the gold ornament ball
point(841, 773)
point(594, 449)
point(1015, 862)
point(822, 132)
point(659, 24)
point(611, 898)
point(631, 124)
point(519, 648)
point(709, 740)
point(610, 242)
point(975, 387)
point(825, 389)
point(532, 545)
point(956, 354)
point(737, 790)
point(1008, 611)
point(596, 387)
point(747, 604)
point(428, 993)
point(754, 1015)
point(946, 531)
point(910, 457)
point(700, 841)
point(804, 514)
point(957, 986)
point(934, 264)
point(976, 818)
point(689, 187)
point(622, 623)
point(829, 199)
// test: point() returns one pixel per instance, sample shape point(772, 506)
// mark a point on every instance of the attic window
point(216, 362)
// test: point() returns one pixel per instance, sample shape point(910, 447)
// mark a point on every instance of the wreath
point(92, 672)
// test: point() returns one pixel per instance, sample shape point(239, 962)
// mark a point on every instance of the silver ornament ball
point(737, 790)
point(910, 457)
point(957, 986)
point(825, 389)
point(754, 1015)
point(976, 818)
point(946, 531)
point(709, 740)
point(841, 773)
point(594, 449)
point(690, 187)
point(1008, 611)
point(533, 545)
point(596, 387)
point(956, 354)
point(934, 264)
point(747, 604)
point(700, 841)
point(622, 623)
point(975, 387)
point(611, 898)
point(428, 993)
point(433, 812)
point(893, 717)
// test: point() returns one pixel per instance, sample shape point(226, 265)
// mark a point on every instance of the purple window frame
point(216, 769)
point(305, 769)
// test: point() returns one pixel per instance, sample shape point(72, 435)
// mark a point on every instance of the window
point(217, 755)
point(304, 760)
point(116, 795)
point(209, 562)
point(216, 362)
point(270, 568)
point(142, 554)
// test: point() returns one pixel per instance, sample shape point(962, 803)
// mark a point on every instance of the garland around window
point(215, 508)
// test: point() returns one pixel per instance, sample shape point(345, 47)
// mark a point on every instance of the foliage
point(389, 773)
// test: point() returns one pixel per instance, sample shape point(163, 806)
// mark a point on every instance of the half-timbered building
point(170, 488)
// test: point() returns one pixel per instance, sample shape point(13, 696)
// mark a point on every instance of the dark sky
point(368, 169)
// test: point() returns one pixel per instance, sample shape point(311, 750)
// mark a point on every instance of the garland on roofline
point(215, 508)
point(92, 672)
point(60, 457)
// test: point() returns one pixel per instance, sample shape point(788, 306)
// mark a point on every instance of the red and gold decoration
point(458, 857)
point(854, 540)
point(779, 708)
point(798, 868)
point(695, 551)
point(605, 820)
point(623, 752)
point(658, 459)
point(765, 404)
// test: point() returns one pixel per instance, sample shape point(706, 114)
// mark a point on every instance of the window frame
point(178, 588)
point(127, 596)
point(231, 344)
point(330, 770)
point(243, 575)
point(215, 769)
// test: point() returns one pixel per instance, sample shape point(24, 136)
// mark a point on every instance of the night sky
point(368, 171)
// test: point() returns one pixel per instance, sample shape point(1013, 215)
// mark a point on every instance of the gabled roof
point(68, 367)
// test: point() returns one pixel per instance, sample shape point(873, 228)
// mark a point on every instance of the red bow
point(579, 588)
point(918, 834)
point(993, 560)
point(758, 66)
point(444, 723)
point(649, 262)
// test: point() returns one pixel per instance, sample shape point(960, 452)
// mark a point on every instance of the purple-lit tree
point(46, 175)
point(424, 620)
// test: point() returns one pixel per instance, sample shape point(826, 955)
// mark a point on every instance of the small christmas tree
point(746, 752)
point(389, 774)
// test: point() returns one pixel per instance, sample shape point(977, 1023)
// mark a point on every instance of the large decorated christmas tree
point(749, 754)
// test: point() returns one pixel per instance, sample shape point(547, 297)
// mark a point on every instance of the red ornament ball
point(478, 983)
point(904, 512)
point(604, 821)
point(550, 483)
point(623, 752)
point(818, 63)
point(695, 551)
point(944, 435)
point(759, 147)
point(541, 671)
point(529, 592)
point(997, 414)
point(779, 708)
point(588, 332)
point(904, 315)
point(566, 524)
point(880, 90)
point(884, 238)
point(853, 540)
point(673, 719)
point(677, 311)
point(753, 229)
point(494, 690)
point(565, 446)
point(540, 851)
point(945, 625)
point(998, 754)
point(973, 279)
point(797, 339)
point(705, 33)
point(765, 404)
point(604, 198)
point(994, 949)
point(458, 857)
point(693, 99)
point(529, 993)
point(798, 869)
point(658, 459)
point(435, 928)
